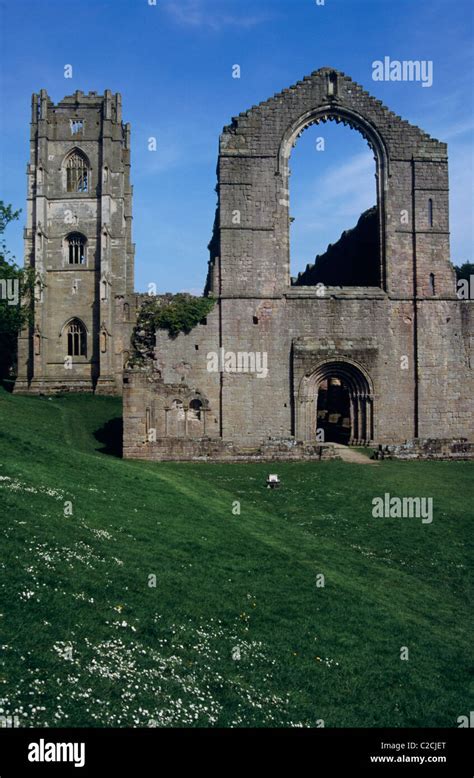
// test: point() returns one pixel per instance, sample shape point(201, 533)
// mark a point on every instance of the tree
point(464, 271)
point(16, 287)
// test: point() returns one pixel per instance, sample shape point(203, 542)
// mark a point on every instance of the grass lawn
point(236, 631)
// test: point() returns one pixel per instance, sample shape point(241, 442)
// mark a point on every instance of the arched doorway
point(335, 404)
point(333, 417)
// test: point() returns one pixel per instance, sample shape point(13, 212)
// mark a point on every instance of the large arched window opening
point(334, 178)
point(76, 339)
point(77, 172)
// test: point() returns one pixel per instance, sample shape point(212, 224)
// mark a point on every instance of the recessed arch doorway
point(336, 404)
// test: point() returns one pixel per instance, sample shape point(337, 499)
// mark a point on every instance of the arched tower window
point(76, 248)
point(195, 408)
point(77, 172)
point(76, 339)
point(332, 84)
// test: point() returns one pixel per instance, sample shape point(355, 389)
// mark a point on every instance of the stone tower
point(78, 240)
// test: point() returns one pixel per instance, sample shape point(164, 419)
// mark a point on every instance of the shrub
point(182, 313)
point(174, 313)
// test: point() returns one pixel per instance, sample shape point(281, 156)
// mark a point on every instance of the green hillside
point(236, 631)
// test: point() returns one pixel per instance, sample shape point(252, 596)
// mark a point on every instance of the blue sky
point(173, 61)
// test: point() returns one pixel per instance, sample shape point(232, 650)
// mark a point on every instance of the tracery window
point(76, 339)
point(76, 244)
point(77, 173)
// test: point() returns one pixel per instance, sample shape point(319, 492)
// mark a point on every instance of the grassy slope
point(86, 641)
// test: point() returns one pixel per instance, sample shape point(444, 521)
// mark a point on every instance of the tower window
point(77, 173)
point(195, 407)
point(76, 339)
point(430, 212)
point(77, 125)
point(432, 283)
point(332, 84)
point(76, 244)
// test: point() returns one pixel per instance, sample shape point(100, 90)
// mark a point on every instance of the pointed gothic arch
point(75, 332)
point(76, 169)
point(332, 111)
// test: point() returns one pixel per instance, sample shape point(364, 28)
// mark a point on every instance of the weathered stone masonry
point(357, 335)
point(78, 240)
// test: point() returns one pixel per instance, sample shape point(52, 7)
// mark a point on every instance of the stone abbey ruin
point(370, 345)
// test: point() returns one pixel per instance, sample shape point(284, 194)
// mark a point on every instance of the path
point(348, 454)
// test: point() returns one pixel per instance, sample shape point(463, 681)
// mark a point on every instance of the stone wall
point(404, 345)
point(437, 448)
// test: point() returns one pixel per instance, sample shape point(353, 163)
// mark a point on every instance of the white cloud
point(339, 196)
point(456, 129)
point(197, 13)
point(345, 180)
